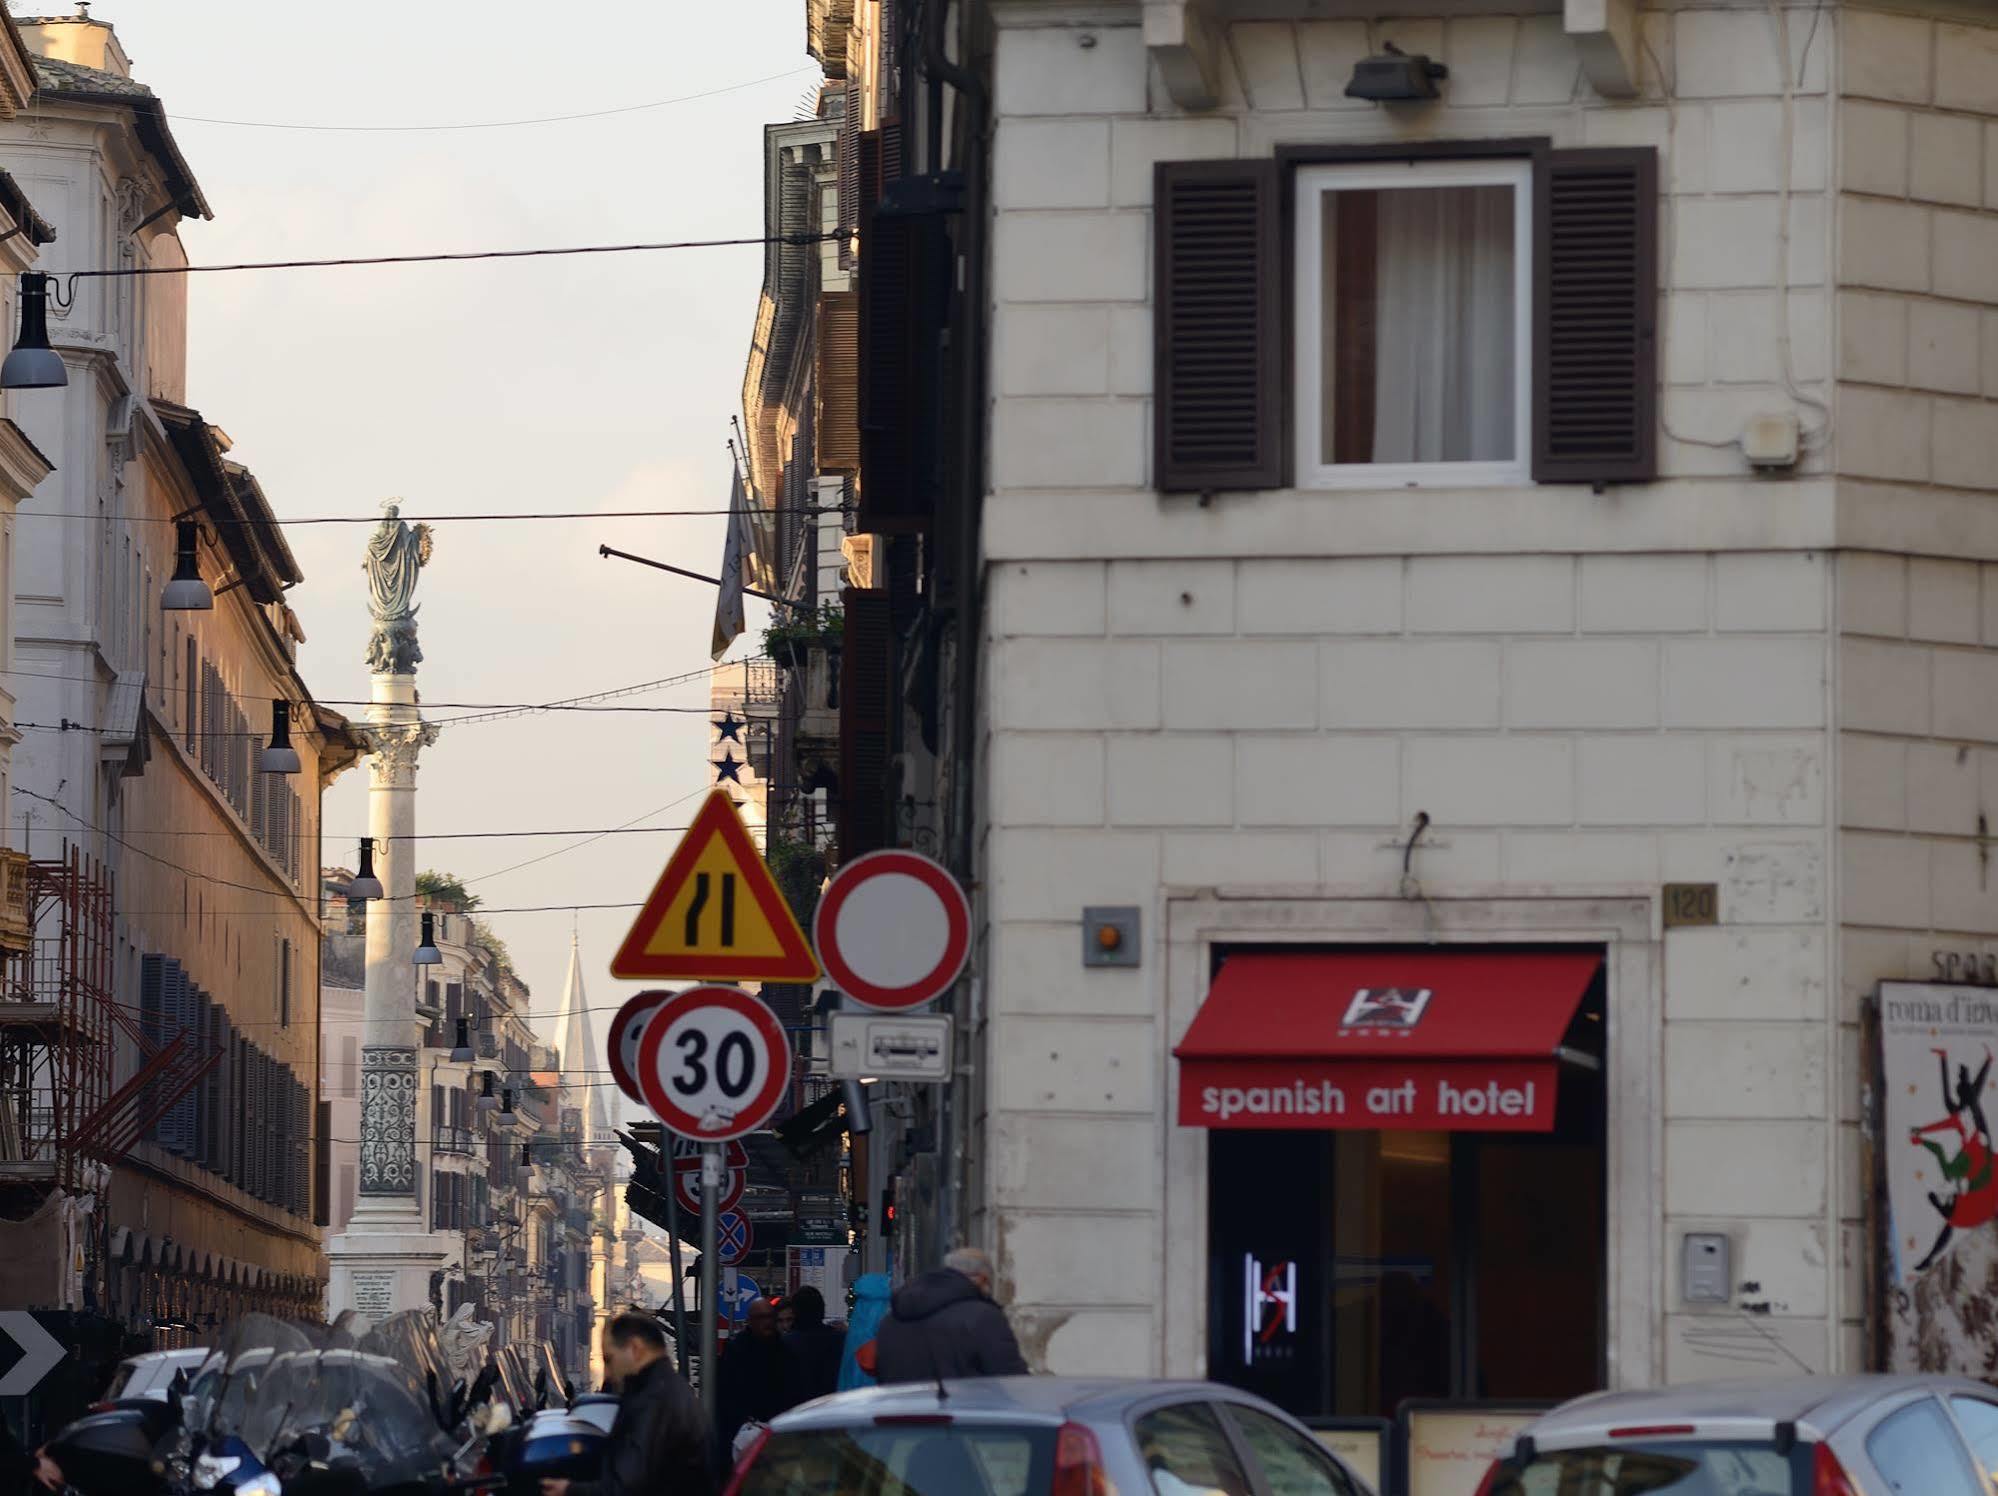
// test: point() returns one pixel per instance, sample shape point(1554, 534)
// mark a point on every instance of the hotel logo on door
point(1269, 1320)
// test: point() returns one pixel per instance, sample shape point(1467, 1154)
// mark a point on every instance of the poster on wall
point(1939, 1092)
point(1451, 1448)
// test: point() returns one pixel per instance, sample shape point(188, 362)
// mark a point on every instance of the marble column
point(384, 1261)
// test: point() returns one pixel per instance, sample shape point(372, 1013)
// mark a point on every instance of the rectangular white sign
point(883, 1046)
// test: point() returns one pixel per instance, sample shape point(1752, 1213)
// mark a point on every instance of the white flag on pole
point(735, 558)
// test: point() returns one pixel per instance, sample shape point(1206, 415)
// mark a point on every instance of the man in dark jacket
point(944, 1324)
point(815, 1350)
point(660, 1441)
point(756, 1380)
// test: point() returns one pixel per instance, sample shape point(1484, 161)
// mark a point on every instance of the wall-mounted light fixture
point(1392, 76)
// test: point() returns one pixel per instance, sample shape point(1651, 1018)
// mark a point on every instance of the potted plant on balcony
point(795, 635)
point(784, 640)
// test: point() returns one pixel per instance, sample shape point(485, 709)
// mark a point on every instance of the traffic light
point(888, 1207)
point(644, 1194)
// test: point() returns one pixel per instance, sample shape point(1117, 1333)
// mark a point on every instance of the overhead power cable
point(281, 523)
point(490, 124)
point(435, 257)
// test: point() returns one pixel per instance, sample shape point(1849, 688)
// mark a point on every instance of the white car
point(148, 1376)
point(1798, 1436)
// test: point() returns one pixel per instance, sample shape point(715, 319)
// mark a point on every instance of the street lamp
point(427, 953)
point(33, 365)
point(185, 592)
point(365, 885)
point(506, 1117)
point(461, 1048)
point(485, 1101)
point(279, 757)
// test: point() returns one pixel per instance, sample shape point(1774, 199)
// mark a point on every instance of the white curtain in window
point(1444, 326)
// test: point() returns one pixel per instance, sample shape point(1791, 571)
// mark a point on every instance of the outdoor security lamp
point(33, 365)
point(485, 1101)
point(186, 592)
point(280, 757)
point(365, 885)
point(427, 953)
point(1392, 76)
point(461, 1048)
point(859, 1117)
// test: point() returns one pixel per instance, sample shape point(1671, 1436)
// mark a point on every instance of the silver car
point(1041, 1436)
point(1799, 1436)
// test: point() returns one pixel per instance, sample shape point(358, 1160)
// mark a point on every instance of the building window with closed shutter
point(1413, 348)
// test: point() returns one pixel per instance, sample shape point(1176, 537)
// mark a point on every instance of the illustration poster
point(1939, 1096)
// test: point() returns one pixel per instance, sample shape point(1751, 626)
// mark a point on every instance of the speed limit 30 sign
point(713, 1063)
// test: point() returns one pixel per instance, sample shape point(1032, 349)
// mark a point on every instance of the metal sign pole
point(711, 1188)
point(682, 1352)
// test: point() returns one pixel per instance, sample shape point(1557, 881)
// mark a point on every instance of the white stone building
point(1445, 521)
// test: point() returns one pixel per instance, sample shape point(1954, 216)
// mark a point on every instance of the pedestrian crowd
point(939, 1325)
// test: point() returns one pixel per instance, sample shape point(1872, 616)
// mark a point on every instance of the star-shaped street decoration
point(730, 728)
point(727, 767)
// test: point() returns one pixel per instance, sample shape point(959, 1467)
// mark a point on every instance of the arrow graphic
point(40, 1351)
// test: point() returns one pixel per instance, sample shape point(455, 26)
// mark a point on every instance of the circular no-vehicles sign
point(893, 930)
point(713, 1063)
point(626, 1029)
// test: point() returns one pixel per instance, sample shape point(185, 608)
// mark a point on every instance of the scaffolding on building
point(59, 1021)
point(62, 1031)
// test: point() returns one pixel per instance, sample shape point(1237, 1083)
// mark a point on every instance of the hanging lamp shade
point(461, 1047)
point(33, 365)
point(279, 757)
point(186, 592)
point(427, 953)
point(506, 1118)
point(526, 1156)
point(365, 885)
point(485, 1101)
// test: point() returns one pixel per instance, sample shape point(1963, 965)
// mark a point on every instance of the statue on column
point(397, 551)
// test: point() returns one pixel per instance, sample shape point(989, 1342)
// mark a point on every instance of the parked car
point(150, 1375)
point(1042, 1436)
point(1798, 1436)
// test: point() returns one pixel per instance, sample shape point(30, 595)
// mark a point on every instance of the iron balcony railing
point(448, 1139)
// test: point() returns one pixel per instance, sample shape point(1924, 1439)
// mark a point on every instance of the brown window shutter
point(867, 156)
point(1595, 353)
point(846, 161)
point(836, 383)
point(866, 672)
point(891, 154)
point(899, 258)
point(1218, 335)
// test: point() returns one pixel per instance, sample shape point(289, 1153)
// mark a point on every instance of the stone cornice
point(22, 465)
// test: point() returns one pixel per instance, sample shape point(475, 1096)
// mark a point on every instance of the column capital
point(393, 748)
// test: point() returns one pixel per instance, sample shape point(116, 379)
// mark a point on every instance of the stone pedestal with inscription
point(386, 1260)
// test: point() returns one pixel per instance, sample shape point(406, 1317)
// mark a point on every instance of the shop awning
point(1461, 1041)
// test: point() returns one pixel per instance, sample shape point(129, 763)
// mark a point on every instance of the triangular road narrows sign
point(716, 914)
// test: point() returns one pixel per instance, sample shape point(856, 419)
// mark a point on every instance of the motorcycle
point(285, 1409)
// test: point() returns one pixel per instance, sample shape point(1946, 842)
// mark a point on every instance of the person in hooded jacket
point(944, 1324)
point(814, 1346)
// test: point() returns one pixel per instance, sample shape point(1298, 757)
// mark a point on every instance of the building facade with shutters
point(1489, 629)
point(173, 886)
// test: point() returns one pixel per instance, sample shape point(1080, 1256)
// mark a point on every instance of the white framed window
point(1414, 335)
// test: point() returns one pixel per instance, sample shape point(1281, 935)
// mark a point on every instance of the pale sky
point(593, 383)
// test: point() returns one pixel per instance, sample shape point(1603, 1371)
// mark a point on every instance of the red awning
point(1453, 1040)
